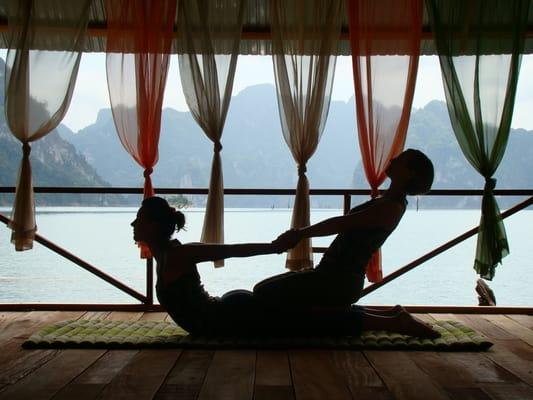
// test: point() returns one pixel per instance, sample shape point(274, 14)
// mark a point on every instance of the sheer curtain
point(138, 48)
point(305, 37)
point(480, 89)
point(385, 39)
point(210, 34)
point(39, 85)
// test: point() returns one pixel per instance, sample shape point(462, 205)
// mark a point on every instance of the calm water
point(102, 236)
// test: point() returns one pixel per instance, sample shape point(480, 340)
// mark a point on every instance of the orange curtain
point(139, 38)
point(385, 39)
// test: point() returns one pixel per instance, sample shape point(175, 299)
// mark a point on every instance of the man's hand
point(287, 240)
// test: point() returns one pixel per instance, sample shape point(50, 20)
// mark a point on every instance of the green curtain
point(479, 43)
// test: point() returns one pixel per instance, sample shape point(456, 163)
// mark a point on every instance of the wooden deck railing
point(147, 300)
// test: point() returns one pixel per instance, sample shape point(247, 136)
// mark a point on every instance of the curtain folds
point(385, 39)
point(138, 50)
point(39, 85)
point(210, 34)
point(305, 36)
point(480, 91)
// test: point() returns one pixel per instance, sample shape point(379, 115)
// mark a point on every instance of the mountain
point(54, 161)
point(256, 155)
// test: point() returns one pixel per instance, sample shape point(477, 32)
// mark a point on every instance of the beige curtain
point(210, 33)
point(39, 85)
point(305, 36)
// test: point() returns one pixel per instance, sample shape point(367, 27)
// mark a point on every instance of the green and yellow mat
point(157, 334)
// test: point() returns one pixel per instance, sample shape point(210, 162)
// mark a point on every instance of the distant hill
point(255, 154)
point(55, 162)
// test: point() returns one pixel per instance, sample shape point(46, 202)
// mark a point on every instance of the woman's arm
point(200, 252)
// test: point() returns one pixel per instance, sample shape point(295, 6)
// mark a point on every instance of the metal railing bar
point(85, 265)
point(255, 191)
point(435, 252)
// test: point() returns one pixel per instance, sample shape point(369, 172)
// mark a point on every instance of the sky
point(91, 95)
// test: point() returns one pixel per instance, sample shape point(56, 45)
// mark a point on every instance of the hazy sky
point(90, 93)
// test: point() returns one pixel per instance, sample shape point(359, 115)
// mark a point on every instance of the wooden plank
point(357, 370)
point(461, 370)
point(92, 315)
point(272, 368)
point(230, 376)
point(277, 392)
point(16, 362)
point(514, 328)
point(51, 377)
point(362, 380)
point(515, 356)
point(142, 376)
point(425, 317)
point(273, 376)
point(93, 380)
point(403, 377)
point(154, 316)
point(25, 324)
point(7, 319)
point(484, 327)
point(187, 376)
point(509, 391)
point(467, 394)
point(524, 320)
point(315, 376)
point(443, 317)
point(125, 315)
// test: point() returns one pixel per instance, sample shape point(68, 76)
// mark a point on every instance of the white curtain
point(305, 36)
point(210, 33)
point(39, 85)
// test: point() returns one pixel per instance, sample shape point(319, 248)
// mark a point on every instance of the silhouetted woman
point(238, 312)
point(339, 277)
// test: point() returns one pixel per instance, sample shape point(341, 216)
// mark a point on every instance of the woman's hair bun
point(179, 218)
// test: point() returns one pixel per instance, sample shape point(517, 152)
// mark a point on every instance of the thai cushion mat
point(156, 334)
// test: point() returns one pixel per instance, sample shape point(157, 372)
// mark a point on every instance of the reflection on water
point(102, 236)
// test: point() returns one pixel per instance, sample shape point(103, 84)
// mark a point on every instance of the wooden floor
point(504, 372)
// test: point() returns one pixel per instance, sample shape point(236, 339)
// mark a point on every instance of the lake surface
point(103, 237)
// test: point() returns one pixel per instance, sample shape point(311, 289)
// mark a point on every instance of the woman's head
point(414, 169)
point(156, 220)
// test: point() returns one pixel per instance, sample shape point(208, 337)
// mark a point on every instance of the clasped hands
point(287, 240)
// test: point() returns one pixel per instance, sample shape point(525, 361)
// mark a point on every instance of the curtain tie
point(302, 169)
point(26, 149)
point(490, 184)
point(217, 146)
point(147, 172)
point(374, 192)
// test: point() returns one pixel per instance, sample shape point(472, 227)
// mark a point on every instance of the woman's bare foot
point(387, 312)
point(409, 325)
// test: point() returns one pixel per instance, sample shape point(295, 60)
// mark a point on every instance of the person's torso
point(354, 247)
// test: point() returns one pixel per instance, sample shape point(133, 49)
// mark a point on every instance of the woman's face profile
point(143, 227)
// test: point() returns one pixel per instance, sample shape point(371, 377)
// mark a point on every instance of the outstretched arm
point(200, 252)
